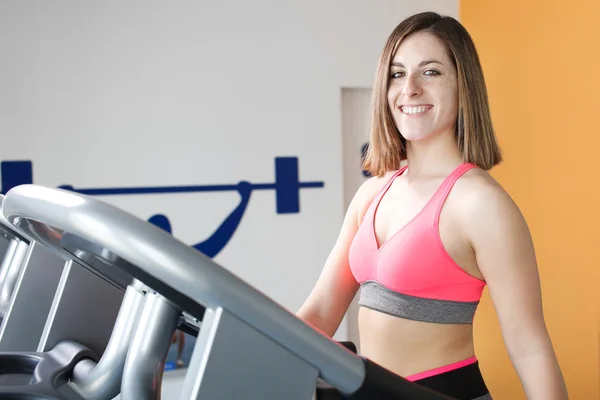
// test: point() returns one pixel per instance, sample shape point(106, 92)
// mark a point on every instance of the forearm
point(540, 375)
point(313, 319)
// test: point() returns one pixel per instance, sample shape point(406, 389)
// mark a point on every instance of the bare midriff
point(406, 347)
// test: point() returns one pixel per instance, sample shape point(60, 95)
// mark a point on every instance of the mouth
point(418, 109)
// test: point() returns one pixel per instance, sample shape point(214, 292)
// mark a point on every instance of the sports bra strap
point(448, 184)
point(385, 187)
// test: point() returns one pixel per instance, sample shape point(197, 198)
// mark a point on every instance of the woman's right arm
point(336, 287)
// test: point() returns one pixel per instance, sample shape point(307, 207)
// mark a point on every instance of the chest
point(406, 217)
point(402, 204)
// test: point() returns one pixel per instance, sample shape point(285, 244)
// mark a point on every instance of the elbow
point(523, 345)
point(319, 324)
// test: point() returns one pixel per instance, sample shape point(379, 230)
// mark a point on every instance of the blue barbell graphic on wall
point(287, 187)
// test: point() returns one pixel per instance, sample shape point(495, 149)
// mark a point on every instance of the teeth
point(413, 110)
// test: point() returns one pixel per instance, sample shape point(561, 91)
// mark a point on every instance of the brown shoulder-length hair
point(473, 128)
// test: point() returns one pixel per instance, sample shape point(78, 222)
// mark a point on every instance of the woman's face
point(423, 89)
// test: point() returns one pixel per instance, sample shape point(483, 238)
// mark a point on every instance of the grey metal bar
point(7, 259)
point(10, 275)
point(5, 240)
point(45, 213)
point(103, 380)
point(142, 375)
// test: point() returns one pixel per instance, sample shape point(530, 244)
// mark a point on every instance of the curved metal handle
point(103, 380)
point(7, 228)
point(142, 376)
point(183, 274)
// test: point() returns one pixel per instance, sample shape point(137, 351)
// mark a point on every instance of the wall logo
point(286, 186)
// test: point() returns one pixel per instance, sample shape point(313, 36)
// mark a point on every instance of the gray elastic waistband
point(379, 298)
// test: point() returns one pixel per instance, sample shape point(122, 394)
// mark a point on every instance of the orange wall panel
point(541, 64)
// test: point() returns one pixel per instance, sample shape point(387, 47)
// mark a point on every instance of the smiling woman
point(424, 236)
point(414, 115)
point(436, 54)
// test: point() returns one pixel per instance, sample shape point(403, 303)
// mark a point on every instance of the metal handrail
point(102, 380)
point(45, 213)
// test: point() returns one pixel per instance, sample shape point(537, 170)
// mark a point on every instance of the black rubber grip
point(380, 383)
point(349, 345)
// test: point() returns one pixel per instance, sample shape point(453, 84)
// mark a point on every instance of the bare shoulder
point(367, 192)
point(485, 206)
point(478, 189)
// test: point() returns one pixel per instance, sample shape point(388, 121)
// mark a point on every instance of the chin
point(416, 136)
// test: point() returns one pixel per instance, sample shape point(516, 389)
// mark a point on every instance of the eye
point(431, 72)
point(397, 75)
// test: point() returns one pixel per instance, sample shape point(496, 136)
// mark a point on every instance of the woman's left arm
point(505, 255)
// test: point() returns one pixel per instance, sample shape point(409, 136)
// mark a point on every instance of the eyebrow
point(421, 64)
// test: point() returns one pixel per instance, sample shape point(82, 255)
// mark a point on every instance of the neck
point(437, 155)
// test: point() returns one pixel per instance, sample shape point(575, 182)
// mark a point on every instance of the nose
point(411, 86)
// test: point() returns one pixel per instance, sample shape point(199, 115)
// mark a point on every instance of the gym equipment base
point(40, 376)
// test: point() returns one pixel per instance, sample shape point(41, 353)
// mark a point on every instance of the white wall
point(355, 122)
point(125, 93)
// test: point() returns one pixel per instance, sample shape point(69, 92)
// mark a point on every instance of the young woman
point(424, 236)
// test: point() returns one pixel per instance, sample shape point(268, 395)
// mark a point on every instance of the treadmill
point(248, 346)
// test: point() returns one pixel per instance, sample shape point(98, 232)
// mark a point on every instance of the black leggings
point(465, 383)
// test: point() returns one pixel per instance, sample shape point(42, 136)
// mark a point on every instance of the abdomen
point(407, 347)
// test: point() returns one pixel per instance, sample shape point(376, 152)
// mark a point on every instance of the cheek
point(449, 96)
point(392, 96)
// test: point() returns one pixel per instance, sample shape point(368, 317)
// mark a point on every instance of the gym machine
point(247, 345)
point(5, 237)
point(43, 298)
point(14, 248)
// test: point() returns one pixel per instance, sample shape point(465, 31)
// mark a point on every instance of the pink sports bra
point(411, 275)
